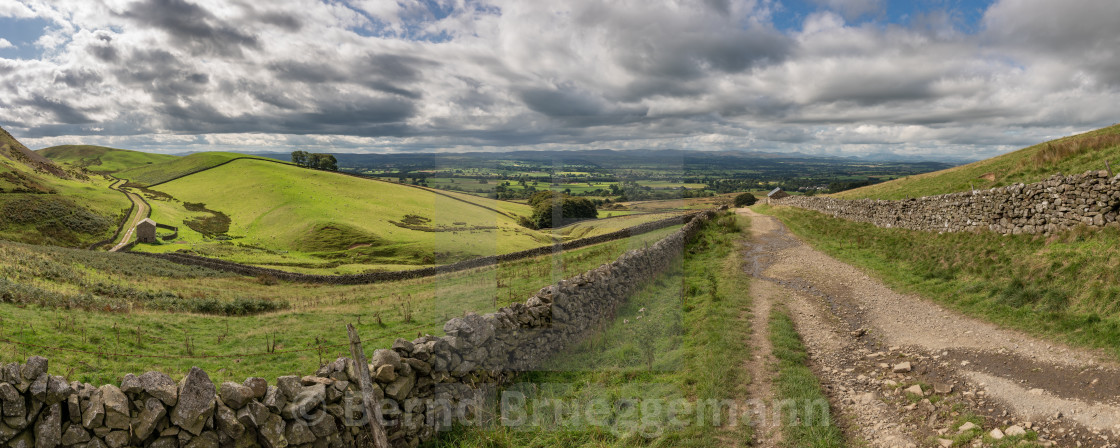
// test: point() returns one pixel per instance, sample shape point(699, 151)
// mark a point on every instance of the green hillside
point(1070, 155)
point(275, 214)
point(100, 159)
point(41, 203)
point(147, 175)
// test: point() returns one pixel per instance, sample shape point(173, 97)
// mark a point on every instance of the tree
point(328, 162)
point(300, 158)
point(745, 200)
point(550, 205)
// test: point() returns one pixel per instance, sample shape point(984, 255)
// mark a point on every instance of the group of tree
point(554, 209)
point(315, 160)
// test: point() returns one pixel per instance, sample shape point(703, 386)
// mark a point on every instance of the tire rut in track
point(856, 329)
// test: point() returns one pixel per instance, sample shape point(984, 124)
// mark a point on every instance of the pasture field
point(101, 159)
point(95, 315)
point(148, 175)
point(476, 186)
point(1070, 155)
point(682, 338)
point(1063, 286)
point(584, 229)
point(272, 211)
point(308, 221)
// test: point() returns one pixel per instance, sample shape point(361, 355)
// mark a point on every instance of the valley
point(791, 304)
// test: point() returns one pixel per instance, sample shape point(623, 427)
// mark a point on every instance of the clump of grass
point(1053, 152)
point(805, 427)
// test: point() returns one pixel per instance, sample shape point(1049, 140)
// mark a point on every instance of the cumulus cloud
point(365, 75)
point(5, 44)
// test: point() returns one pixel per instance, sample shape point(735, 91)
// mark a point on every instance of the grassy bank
point(809, 427)
point(1065, 286)
point(86, 306)
point(681, 340)
point(1075, 154)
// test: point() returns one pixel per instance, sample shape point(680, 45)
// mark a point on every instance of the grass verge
point(86, 306)
point(681, 341)
point(1064, 287)
point(810, 423)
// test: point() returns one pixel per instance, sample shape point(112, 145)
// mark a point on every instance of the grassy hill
point(42, 203)
point(1070, 155)
point(100, 159)
point(158, 173)
point(267, 213)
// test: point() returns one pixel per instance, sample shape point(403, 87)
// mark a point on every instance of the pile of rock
point(1056, 204)
point(423, 385)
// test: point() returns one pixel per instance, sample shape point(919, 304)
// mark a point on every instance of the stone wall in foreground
point(424, 385)
point(1058, 203)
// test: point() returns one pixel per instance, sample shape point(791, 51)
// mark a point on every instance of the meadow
point(98, 316)
point(154, 174)
point(100, 159)
point(682, 338)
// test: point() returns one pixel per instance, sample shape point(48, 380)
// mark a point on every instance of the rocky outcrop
point(1059, 203)
point(424, 385)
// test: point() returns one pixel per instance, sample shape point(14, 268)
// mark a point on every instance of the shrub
point(745, 200)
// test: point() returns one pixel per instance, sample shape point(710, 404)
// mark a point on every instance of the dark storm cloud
point(287, 22)
point(383, 72)
point(580, 109)
point(869, 90)
point(78, 78)
point(63, 112)
point(191, 25)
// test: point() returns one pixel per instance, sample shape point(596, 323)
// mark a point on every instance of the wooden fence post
point(1109, 166)
point(372, 407)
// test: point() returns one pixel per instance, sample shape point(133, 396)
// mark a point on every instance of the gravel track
point(857, 330)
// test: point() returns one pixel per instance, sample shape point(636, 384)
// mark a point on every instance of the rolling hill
point(1070, 155)
point(100, 159)
point(42, 203)
point(158, 173)
point(267, 213)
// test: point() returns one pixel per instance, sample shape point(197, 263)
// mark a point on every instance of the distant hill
point(100, 159)
point(176, 167)
point(42, 203)
point(1070, 155)
point(602, 158)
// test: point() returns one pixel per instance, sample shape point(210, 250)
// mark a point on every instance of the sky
point(934, 79)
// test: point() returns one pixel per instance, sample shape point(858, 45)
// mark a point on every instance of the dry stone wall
point(424, 385)
point(1056, 204)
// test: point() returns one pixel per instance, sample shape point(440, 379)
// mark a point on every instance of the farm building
point(776, 194)
point(146, 231)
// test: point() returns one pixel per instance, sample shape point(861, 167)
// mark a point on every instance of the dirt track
point(857, 330)
point(141, 213)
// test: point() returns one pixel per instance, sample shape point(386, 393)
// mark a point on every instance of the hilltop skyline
point(947, 78)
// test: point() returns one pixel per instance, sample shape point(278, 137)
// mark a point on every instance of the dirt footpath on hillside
point(860, 333)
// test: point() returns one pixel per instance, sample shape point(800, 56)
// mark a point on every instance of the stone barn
point(778, 193)
point(146, 231)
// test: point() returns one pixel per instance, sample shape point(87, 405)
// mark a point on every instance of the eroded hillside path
point(857, 330)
